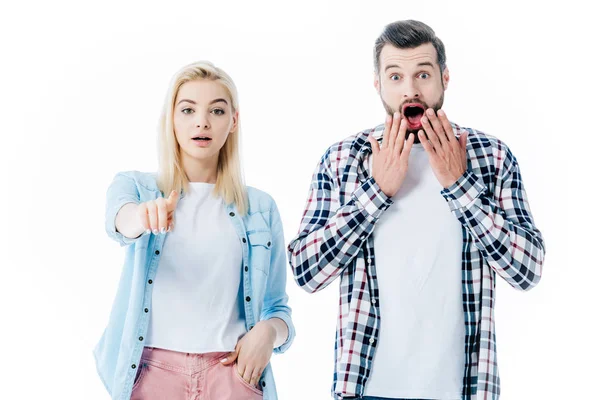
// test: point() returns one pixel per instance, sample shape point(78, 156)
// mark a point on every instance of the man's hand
point(390, 160)
point(447, 155)
point(253, 352)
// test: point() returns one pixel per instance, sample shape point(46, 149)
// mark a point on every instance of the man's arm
point(503, 230)
point(330, 235)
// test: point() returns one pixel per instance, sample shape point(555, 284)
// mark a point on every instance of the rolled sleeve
point(121, 191)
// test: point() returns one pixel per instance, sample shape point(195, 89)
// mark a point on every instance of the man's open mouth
point(413, 113)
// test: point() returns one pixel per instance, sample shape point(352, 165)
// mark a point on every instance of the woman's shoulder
point(145, 179)
point(259, 200)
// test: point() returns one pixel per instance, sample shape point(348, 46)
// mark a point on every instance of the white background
point(82, 85)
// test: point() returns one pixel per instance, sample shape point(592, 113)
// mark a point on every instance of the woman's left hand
point(253, 352)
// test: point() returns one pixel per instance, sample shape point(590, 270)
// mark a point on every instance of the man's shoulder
point(351, 146)
point(481, 142)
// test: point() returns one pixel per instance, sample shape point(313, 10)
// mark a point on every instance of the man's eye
point(187, 111)
point(424, 75)
point(395, 77)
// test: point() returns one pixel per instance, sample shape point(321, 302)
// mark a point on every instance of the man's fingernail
point(147, 231)
point(163, 230)
point(155, 231)
point(440, 112)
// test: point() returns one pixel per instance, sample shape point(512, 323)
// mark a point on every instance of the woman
point(201, 303)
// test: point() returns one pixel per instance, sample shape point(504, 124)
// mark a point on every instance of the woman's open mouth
point(413, 113)
point(202, 141)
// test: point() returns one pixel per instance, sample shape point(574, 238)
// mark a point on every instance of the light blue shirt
point(263, 270)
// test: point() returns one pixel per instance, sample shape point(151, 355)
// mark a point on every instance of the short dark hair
point(408, 35)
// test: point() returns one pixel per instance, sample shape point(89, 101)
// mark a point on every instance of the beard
point(436, 107)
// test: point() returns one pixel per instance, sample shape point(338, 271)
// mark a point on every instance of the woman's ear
point(236, 117)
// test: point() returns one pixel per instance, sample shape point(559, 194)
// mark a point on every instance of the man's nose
point(411, 91)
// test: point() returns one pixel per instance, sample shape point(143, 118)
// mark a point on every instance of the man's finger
point(433, 138)
point(447, 126)
point(386, 131)
point(394, 130)
point(399, 144)
point(463, 140)
point(374, 144)
point(426, 145)
point(407, 147)
point(437, 128)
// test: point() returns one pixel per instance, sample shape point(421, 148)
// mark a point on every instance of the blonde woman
point(201, 304)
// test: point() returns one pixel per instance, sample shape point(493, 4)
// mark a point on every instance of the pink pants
point(171, 375)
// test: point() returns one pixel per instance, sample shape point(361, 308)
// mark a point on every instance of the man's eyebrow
point(193, 102)
point(425, 64)
point(421, 64)
point(391, 66)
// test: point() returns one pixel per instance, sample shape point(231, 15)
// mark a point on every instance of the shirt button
point(244, 240)
point(362, 237)
point(264, 384)
point(246, 268)
point(374, 301)
point(150, 281)
point(145, 310)
point(371, 340)
point(368, 261)
point(157, 252)
point(269, 244)
point(248, 298)
point(232, 214)
point(141, 338)
point(133, 366)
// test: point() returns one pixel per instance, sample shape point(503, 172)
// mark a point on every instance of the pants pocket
point(141, 373)
point(244, 384)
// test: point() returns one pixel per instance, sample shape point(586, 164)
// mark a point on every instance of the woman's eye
point(218, 111)
point(187, 111)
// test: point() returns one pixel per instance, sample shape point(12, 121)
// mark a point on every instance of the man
point(417, 217)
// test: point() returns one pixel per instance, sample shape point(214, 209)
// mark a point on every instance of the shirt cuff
point(111, 227)
point(464, 191)
point(291, 331)
point(373, 200)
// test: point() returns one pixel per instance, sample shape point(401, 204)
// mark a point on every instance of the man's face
point(410, 81)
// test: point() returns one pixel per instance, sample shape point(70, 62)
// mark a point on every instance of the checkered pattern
point(334, 239)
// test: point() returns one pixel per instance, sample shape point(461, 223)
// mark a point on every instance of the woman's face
point(202, 119)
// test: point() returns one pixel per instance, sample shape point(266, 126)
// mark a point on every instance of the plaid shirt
point(334, 239)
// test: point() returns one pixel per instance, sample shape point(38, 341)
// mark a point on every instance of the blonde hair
point(171, 176)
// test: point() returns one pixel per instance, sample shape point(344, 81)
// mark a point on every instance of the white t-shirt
point(418, 241)
point(196, 300)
